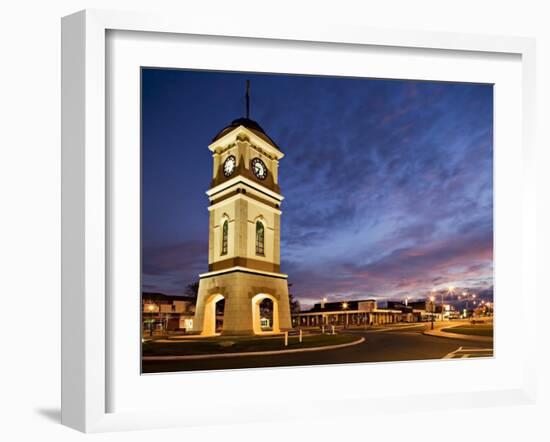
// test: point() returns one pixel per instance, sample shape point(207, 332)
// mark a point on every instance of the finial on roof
point(248, 99)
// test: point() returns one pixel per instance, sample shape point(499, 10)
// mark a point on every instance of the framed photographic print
point(382, 245)
point(298, 207)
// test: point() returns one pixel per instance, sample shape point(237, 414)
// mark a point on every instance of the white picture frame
point(86, 205)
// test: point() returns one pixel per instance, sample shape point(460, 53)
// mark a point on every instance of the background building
point(162, 312)
point(346, 314)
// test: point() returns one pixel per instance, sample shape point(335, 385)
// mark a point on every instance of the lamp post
point(467, 298)
point(451, 291)
point(150, 307)
point(432, 308)
point(345, 308)
point(432, 298)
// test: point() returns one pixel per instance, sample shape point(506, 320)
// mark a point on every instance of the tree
point(294, 303)
point(192, 290)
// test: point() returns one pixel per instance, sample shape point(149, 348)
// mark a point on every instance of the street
point(389, 344)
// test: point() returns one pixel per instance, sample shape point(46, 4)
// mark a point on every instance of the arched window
point(259, 238)
point(225, 233)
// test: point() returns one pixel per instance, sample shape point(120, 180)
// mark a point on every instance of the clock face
point(259, 168)
point(229, 165)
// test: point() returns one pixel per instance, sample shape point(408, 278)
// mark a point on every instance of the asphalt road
point(380, 346)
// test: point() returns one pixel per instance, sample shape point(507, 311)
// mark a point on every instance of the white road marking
point(451, 354)
point(461, 353)
point(402, 327)
point(469, 350)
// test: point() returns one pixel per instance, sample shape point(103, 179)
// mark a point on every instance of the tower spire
point(248, 99)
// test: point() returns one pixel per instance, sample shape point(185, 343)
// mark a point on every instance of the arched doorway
point(259, 301)
point(210, 315)
point(266, 315)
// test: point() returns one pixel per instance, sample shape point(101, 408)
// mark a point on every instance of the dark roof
point(149, 296)
point(418, 304)
point(249, 124)
point(398, 305)
point(338, 305)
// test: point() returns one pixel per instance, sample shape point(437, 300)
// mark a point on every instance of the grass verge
point(220, 345)
point(476, 330)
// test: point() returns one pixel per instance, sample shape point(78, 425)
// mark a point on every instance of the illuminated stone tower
point(244, 233)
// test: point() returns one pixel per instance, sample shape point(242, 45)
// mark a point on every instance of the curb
point(400, 327)
point(440, 334)
point(250, 353)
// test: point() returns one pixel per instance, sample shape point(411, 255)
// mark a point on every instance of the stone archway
point(242, 292)
point(256, 320)
point(209, 324)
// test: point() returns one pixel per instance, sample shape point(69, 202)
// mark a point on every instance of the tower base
point(243, 292)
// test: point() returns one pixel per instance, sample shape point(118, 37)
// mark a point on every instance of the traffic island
point(472, 330)
point(176, 349)
point(467, 332)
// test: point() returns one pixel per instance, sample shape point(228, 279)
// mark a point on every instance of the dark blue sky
point(388, 184)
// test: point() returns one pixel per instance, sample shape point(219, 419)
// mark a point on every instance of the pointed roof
point(251, 125)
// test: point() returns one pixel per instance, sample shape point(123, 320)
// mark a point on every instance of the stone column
point(211, 236)
point(238, 314)
point(241, 227)
point(276, 238)
point(216, 162)
point(275, 170)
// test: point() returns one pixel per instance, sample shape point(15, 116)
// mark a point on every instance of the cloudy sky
point(388, 184)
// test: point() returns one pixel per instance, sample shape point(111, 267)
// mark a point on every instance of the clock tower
point(244, 234)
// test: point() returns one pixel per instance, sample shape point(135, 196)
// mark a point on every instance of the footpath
point(437, 331)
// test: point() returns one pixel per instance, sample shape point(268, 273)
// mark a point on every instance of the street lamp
point(432, 299)
point(150, 307)
point(450, 291)
point(474, 303)
point(468, 298)
point(345, 307)
point(432, 308)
